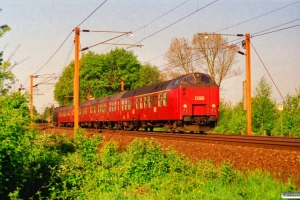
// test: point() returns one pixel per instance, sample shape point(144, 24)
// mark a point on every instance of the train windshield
point(174, 83)
point(189, 79)
point(205, 79)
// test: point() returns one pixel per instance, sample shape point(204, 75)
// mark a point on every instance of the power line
point(253, 35)
point(92, 13)
point(276, 30)
point(68, 56)
point(174, 23)
point(161, 16)
point(66, 40)
point(268, 72)
point(151, 22)
point(247, 21)
point(276, 26)
point(257, 16)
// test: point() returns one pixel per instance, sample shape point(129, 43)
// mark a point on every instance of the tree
point(63, 90)
point(215, 56)
point(3, 28)
point(5, 73)
point(264, 113)
point(290, 116)
point(99, 74)
point(180, 58)
point(149, 75)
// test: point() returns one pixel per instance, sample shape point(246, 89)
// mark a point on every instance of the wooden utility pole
point(122, 84)
point(76, 79)
point(248, 85)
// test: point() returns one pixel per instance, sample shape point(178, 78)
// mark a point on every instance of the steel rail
point(282, 143)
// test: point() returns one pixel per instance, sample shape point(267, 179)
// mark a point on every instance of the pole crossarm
point(134, 45)
point(107, 31)
point(205, 34)
point(105, 41)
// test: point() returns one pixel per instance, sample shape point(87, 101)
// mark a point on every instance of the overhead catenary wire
point(276, 30)
point(268, 72)
point(258, 16)
point(253, 35)
point(150, 22)
point(66, 40)
point(247, 21)
point(176, 22)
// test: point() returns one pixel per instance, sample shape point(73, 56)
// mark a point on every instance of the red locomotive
point(186, 103)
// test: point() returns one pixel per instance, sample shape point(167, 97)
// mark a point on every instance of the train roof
point(193, 79)
point(147, 89)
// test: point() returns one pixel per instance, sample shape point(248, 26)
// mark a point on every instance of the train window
point(137, 103)
point(145, 101)
point(165, 98)
point(129, 104)
point(118, 105)
point(189, 79)
point(159, 99)
point(73, 112)
point(205, 79)
point(122, 104)
point(125, 102)
point(109, 107)
point(150, 101)
point(141, 102)
point(154, 100)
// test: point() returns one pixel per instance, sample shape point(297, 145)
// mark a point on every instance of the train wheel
point(151, 128)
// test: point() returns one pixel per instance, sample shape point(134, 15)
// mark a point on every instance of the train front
point(198, 102)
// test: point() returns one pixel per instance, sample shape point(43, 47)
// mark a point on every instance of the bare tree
point(215, 56)
point(179, 57)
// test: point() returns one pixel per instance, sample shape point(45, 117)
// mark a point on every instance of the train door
point(154, 106)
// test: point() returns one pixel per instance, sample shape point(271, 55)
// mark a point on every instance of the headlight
point(213, 105)
point(184, 105)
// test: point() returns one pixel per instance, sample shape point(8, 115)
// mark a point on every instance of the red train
point(187, 103)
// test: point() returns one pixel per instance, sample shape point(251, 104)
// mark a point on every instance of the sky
point(41, 36)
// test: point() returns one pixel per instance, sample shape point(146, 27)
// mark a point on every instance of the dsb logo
point(199, 97)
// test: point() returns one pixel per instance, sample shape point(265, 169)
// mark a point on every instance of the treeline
point(100, 75)
point(267, 119)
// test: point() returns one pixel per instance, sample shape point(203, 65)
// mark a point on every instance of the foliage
point(149, 75)
point(145, 171)
point(289, 117)
point(264, 113)
point(23, 166)
point(6, 77)
point(232, 119)
point(3, 29)
point(63, 90)
point(99, 74)
point(5, 73)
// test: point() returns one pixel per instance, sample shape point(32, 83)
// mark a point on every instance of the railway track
point(284, 143)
